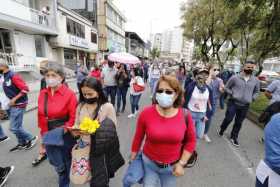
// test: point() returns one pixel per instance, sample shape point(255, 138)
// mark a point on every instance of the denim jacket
point(135, 172)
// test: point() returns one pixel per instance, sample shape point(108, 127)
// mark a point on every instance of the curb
point(253, 117)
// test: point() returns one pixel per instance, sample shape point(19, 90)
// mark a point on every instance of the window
point(39, 45)
point(93, 37)
point(75, 28)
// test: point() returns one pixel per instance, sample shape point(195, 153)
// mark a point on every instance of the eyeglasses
point(168, 92)
point(216, 69)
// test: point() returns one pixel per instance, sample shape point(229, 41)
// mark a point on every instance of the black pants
point(111, 91)
point(239, 112)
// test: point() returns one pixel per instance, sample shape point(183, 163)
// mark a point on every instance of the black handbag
point(53, 123)
point(192, 160)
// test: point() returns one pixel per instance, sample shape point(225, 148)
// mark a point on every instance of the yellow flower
point(89, 126)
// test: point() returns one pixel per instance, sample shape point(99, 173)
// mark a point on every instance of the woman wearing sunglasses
point(163, 125)
point(199, 99)
point(217, 86)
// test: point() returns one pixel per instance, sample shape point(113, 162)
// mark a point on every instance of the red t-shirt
point(62, 103)
point(164, 136)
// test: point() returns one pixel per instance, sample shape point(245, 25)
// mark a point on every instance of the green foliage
point(260, 104)
point(222, 29)
point(155, 53)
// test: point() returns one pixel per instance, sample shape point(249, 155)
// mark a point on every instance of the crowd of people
point(183, 104)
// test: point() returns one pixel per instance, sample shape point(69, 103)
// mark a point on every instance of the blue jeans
point(155, 175)
point(60, 157)
point(134, 101)
point(2, 134)
point(208, 123)
point(198, 118)
point(259, 184)
point(121, 98)
point(111, 91)
point(153, 83)
point(16, 120)
point(239, 112)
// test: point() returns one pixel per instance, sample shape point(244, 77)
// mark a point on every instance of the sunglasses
point(216, 69)
point(168, 92)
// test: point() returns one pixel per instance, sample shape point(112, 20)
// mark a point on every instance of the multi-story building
point(157, 41)
point(25, 28)
point(134, 44)
point(111, 31)
point(76, 41)
point(187, 50)
point(32, 31)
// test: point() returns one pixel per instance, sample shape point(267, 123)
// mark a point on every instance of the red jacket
point(63, 103)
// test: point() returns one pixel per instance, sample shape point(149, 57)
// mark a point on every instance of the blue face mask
point(164, 100)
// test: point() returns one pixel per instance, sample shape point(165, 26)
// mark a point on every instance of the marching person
point(199, 100)
point(96, 73)
point(154, 75)
point(56, 111)
point(135, 95)
point(268, 170)
point(243, 89)
point(181, 75)
point(108, 76)
point(16, 90)
point(5, 173)
point(105, 156)
point(123, 81)
point(217, 86)
point(164, 129)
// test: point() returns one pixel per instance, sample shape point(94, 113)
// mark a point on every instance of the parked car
point(267, 77)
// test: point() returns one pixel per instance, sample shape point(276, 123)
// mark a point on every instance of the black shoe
point(220, 133)
point(6, 138)
point(31, 143)
point(18, 147)
point(234, 142)
point(4, 174)
point(123, 110)
point(118, 114)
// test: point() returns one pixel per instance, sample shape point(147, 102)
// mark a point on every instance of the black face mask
point(1, 71)
point(91, 100)
point(248, 71)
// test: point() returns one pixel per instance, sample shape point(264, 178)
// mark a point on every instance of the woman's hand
point(133, 156)
point(178, 170)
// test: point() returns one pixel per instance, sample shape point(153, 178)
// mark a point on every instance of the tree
point(155, 53)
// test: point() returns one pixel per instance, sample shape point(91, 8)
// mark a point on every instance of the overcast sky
point(144, 16)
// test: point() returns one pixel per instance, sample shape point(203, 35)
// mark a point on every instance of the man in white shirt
point(108, 76)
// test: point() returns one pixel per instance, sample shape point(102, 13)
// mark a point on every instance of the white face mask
point(52, 82)
point(164, 100)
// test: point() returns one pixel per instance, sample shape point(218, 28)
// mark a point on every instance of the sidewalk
point(35, 89)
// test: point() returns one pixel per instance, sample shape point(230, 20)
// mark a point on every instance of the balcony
point(16, 15)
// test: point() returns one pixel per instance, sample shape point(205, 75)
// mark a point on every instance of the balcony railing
point(32, 15)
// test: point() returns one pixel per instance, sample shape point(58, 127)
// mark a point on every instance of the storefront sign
point(79, 42)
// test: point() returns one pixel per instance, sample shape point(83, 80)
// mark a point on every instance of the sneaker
point(234, 142)
point(4, 174)
point(6, 138)
point(18, 147)
point(219, 132)
point(31, 143)
point(131, 116)
point(207, 139)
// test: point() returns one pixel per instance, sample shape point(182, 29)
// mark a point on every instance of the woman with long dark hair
point(105, 156)
point(122, 79)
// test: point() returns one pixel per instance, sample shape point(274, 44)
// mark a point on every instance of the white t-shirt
point(198, 101)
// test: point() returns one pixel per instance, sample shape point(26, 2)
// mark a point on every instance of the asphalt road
point(219, 164)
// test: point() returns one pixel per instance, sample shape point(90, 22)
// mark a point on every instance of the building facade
point(187, 50)
point(134, 44)
point(111, 28)
point(25, 27)
point(77, 39)
point(157, 41)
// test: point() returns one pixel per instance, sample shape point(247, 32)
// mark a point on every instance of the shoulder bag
point(192, 161)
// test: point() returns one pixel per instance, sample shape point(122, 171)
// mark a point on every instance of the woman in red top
point(164, 128)
point(96, 73)
point(56, 111)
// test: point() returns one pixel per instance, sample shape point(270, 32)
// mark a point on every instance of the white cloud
point(144, 16)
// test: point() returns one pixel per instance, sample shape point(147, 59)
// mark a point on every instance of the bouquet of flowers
point(89, 126)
